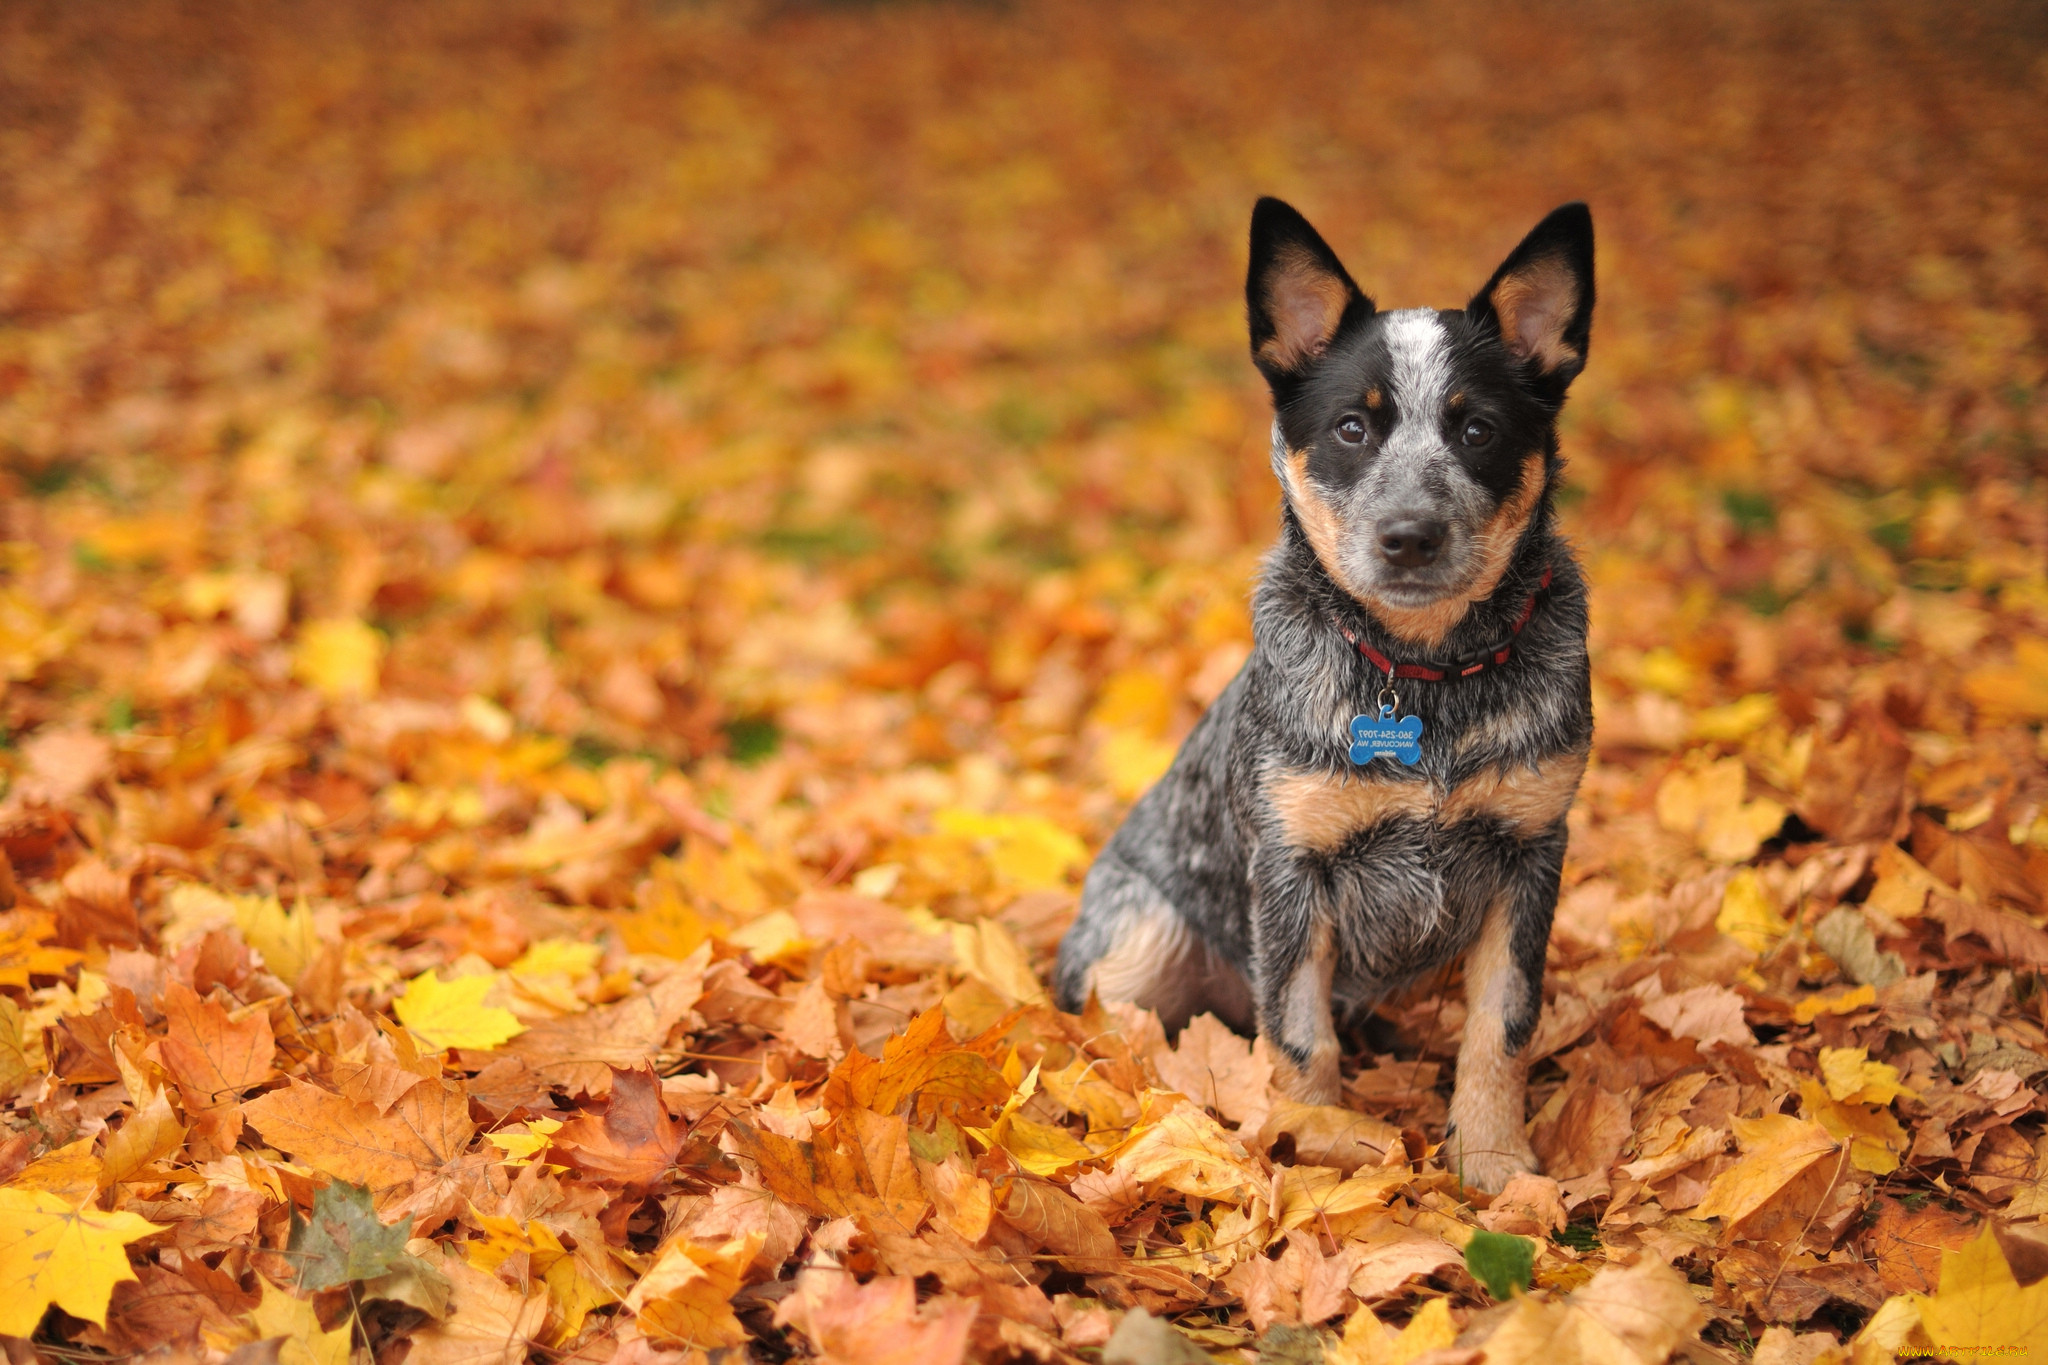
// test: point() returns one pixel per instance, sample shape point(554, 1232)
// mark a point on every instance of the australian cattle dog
point(1383, 787)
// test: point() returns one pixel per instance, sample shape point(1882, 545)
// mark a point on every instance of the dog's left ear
point(1540, 301)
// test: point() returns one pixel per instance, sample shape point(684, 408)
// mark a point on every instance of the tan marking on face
point(1307, 303)
point(1375, 400)
point(1162, 965)
point(1320, 811)
point(1530, 799)
point(1318, 519)
point(1533, 305)
point(1494, 547)
point(1489, 1094)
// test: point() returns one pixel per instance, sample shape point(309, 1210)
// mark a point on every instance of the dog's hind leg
point(1503, 997)
point(1130, 944)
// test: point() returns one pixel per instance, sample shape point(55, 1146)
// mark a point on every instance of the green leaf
point(343, 1241)
point(1504, 1264)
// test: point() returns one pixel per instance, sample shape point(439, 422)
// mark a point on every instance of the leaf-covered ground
point(580, 583)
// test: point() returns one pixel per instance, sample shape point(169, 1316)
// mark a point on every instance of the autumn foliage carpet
point(580, 582)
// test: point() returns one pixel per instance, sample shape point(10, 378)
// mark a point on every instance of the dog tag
point(1384, 737)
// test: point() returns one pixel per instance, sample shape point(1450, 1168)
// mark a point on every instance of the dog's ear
point(1540, 301)
point(1296, 293)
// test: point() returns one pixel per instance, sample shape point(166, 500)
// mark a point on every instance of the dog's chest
point(1323, 812)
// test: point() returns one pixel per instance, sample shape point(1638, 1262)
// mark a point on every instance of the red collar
point(1491, 657)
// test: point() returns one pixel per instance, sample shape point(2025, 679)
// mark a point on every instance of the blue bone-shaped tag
point(1384, 737)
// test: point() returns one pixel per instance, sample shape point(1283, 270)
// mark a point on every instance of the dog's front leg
point(1293, 956)
point(1503, 997)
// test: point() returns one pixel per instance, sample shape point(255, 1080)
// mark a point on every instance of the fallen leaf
point(1775, 1148)
point(449, 1014)
point(54, 1252)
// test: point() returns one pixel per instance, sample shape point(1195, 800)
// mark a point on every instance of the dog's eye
point(1477, 432)
point(1351, 431)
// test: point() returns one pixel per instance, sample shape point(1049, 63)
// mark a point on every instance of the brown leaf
point(1907, 1245)
point(426, 1130)
point(877, 1323)
point(631, 1141)
point(580, 1053)
point(212, 1057)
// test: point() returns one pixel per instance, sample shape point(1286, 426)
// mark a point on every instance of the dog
point(1383, 787)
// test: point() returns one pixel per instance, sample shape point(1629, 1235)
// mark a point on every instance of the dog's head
point(1415, 446)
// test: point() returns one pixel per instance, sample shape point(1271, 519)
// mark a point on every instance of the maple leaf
point(1775, 1149)
point(1981, 1307)
point(488, 1323)
point(877, 1323)
point(449, 1014)
point(1217, 1069)
point(55, 1252)
point(214, 1058)
point(282, 1315)
point(1706, 802)
point(631, 1141)
point(685, 1299)
point(1184, 1149)
point(922, 1062)
point(579, 1054)
point(426, 1130)
point(343, 1241)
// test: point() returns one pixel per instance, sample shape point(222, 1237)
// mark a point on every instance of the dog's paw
point(1319, 1082)
point(1490, 1170)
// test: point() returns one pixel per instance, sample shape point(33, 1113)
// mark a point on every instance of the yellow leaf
point(1737, 720)
point(1980, 1308)
point(1705, 802)
point(507, 1237)
point(1875, 1138)
point(1188, 1151)
point(1775, 1148)
point(281, 1314)
point(22, 951)
point(1747, 914)
point(573, 1291)
point(1131, 762)
point(449, 1014)
point(1040, 1148)
point(987, 952)
point(1321, 1194)
point(773, 937)
point(288, 939)
point(339, 658)
point(1848, 1002)
point(2018, 692)
point(686, 1299)
point(1853, 1078)
point(1028, 851)
point(1367, 1341)
point(557, 957)
point(523, 1142)
point(17, 1064)
point(149, 1134)
point(52, 1251)
point(71, 1172)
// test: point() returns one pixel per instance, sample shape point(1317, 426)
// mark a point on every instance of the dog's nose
point(1411, 542)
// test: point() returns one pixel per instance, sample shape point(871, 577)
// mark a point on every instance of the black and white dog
point(1384, 786)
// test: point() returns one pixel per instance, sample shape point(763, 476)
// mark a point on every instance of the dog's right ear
point(1297, 294)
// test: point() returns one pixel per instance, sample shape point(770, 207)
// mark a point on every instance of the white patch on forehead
point(1421, 354)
